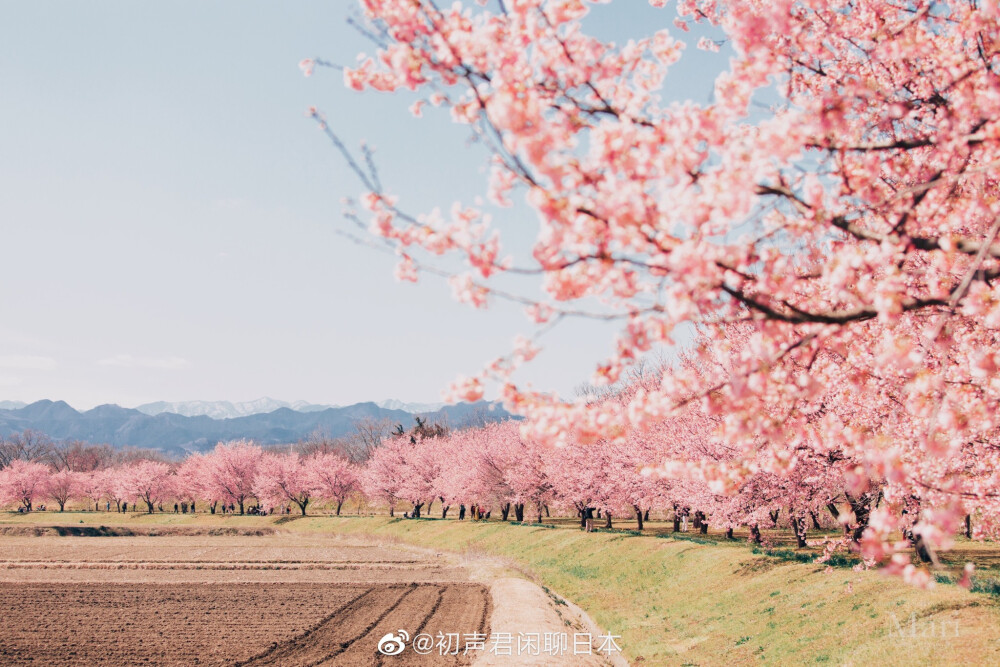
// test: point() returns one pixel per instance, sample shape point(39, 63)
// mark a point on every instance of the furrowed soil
point(224, 599)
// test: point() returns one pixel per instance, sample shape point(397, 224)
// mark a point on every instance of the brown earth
point(130, 531)
point(222, 600)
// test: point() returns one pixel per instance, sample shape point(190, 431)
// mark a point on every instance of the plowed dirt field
point(226, 600)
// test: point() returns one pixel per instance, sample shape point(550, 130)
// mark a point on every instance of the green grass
point(687, 601)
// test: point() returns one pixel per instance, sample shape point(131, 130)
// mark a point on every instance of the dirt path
point(544, 628)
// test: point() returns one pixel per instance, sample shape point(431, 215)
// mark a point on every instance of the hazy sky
point(169, 213)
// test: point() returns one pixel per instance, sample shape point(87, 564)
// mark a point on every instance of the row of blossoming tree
point(232, 474)
point(495, 467)
point(491, 467)
point(827, 222)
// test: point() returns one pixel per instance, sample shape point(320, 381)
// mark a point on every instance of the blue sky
point(169, 213)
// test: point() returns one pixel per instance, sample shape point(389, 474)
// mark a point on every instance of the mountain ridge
point(265, 404)
point(176, 434)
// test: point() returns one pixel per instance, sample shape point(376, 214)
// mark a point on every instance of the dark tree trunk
point(62, 505)
point(444, 511)
point(607, 520)
point(755, 534)
point(391, 511)
point(704, 528)
point(150, 506)
point(799, 524)
point(429, 505)
point(729, 533)
point(504, 511)
point(340, 503)
point(923, 553)
point(968, 526)
point(461, 512)
point(241, 506)
point(519, 512)
point(547, 515)
point(862, 508)
point(416, 510)
point(835, 513)
point(815, 520)
point(638, 515)
point(677, 521)
point(646, 516)
point(774, 516)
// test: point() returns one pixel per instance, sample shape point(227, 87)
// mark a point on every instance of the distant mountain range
point(176, 433)
point(228, 410)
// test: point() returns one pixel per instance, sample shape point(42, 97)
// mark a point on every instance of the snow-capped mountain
point(412, 408)
point(232, 410)
point(227, 409)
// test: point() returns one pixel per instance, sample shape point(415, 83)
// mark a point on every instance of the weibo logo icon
point(391, 644)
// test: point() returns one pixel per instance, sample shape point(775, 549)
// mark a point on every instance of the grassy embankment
point(683, 601)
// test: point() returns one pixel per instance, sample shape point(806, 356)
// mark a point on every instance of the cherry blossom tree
point(500, 467)
point(63, 485)
point(581, 481)
point(383, 474)
point(195, 480)
point(230, 470)
point(152, 482)
point(333, 477)
point(454, 483)
point(420, 461)
point(23, 482)
point(855, 217)
point(283, 478)
point(119, 487)
point(94, 486)
point(407, 466)
point(479, 469)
